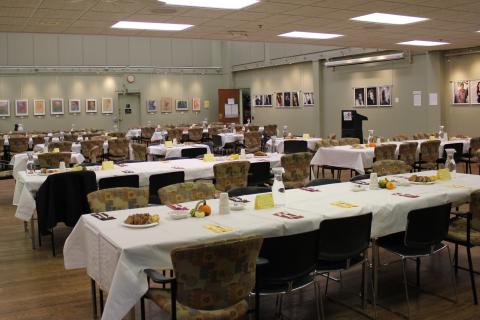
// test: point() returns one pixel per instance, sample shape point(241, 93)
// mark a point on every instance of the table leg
point(375, 266)
point(32, 232)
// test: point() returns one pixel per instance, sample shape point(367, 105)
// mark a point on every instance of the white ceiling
point(454, 21)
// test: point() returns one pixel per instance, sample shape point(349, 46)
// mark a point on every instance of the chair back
point(139, 151)
point(186, 191)
point(344, 238)
point(427, 227)
point(253, 141)
point(385, 152)
point(474, 146)
point(193, 152)
point(175, 133)
point(158, 181)
point(400, 137)
point(252, 128)
point(65, 146)
point(389, 167)
point(429, 151)
point(475, 209)
point(195, 134)
point(294, 146)
point(117, 199)
point(420, 136)
point(229, 175)
point(53, 159)
point(119, 135)
point(131, 181)
point(222, 272)
point(238, 192)
point(87, 146)
point(217, 140)
point(360, 177)
point(39, 139)
point(258, 173)
point(322, 182)
point(118, 148)
point(407, 152)
point(270, 130)
point(18, 144)
point(348, 141)
point(297, 166)
point(147, 132)
point(457, 146)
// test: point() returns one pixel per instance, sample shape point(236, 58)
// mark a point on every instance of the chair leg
point(404, 268)
point(456, 258)
point(142, 308)
point(93, 289)
point(320, 312)
point(452, 274)
point(101, 301)
point(53, 243)
point(418, 271)
point(472, 276)
point(363, 285)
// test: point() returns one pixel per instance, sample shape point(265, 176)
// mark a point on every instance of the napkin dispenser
point(107, 165)
point(444, 174)
point(306, 136)
point(264, 201)
point(56, 150)
point(168, 144)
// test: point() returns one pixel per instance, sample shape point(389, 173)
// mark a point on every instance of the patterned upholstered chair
point(119, 135)
point(464, 230)
point(187, 191)
point(400, 137)
point(175, 133)
point(385, 152)
point(270, 130)
point(53, 159)
point(92, 150)
point(195, 134)
point(252, 128)
point(348, 141)
point(471, 156)
point(230, 175)
point(38, 139)
point(146, 134)
point(389, 167)
point(65, 146)
point(100, 138)
point(407, 152)
point(117, 199)
point(420, 136)
point(429, 154)
point(18, 144)
point(297, 169)
point(68, 137)
point(118, 149)
point(139, 151)
point(252, 141)
point(212, 280)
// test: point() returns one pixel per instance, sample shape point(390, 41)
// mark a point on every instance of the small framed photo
point(74, 106)
point(279, 99)
point(267, 100)
point(107, 105)
point(91, 105)
point(196, 104)
point(308, 99)
point(56, 106)
point(295, 99)
point(181, 105)
point(39, 107)
point(287, 99)
point(166, 105)
point(372, 97)
point(475, 91)
point(4, 108)
point(460, 92)
point(21, 107)
point(257, 100)
point(151, 106)
point(385, 96)
point(359, 97)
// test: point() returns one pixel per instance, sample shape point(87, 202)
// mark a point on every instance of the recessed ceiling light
point(217, 4)
point(388, 18)
point(151, 26)
point(423, 43)
point(310, 35)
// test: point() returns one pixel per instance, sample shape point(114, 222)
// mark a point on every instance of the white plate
point(357, 188)
point(237, 206)
point(139, 226)
point(420, 183)
point(179, 214)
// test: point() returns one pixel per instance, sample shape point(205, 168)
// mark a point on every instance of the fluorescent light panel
point(388, 18)
point(151, 26)
point(422, 43)
point(379, 58)
point(310, 35)
point(216, 4)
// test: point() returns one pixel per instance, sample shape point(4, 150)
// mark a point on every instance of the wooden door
point(223, 98)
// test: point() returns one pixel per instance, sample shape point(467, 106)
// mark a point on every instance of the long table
point(115, 256)
point(173, 151)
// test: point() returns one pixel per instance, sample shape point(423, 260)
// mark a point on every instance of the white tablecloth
point(19, 161)
point(27, 185)
point(174, 151)
point(133, 133)
point(231, 137)
point(116, 256)
point(280, 142)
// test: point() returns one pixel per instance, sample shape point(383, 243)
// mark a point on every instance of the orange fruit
point(390, 185)
point(205, 208)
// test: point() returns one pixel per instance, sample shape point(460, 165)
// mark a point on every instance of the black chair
point(360, 177)
point(342, 244)
point(425, 231)
point(217, 144)
point(322, 182)
point(193, 152)
point(238, 192)
point(457, 156)
point(120, 181)
point(289, 268)
point(158, 181)
point(294, 146)
point(259, 173)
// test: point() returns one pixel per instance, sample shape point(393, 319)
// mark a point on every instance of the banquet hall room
point(239, 159)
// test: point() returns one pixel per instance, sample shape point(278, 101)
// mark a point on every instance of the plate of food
point(260, 154)
point(141, 220)
point(414, 179)
point(46, 172)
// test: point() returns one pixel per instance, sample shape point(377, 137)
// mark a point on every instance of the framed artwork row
point(465, 92)
point(380, 96)
point(166, 105)
point(284, 99)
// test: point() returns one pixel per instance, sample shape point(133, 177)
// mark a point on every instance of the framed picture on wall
point(287, 99)
point(308, 99)
point(39, 107)
point(279, 99)
point(151, 106)
point(107, 105)
point(4, 108)
point(74, 106)
point(475, 91)
point(56, 106)
point(91, 105)
point(181, 105)
point(359, 97)
point(267, 100)
point(385, 96)
point(166, 105)
point(295, 99)
point(460, 92)
point(21, 107)
point(196, 104)
point(372, 97)
point(258, 100)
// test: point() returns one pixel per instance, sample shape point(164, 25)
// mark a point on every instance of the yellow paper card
point(444, 174)
point(217, 228)
point(107, 165)
point(264, 201)
point(208, 157)
point(306, 136)
point(56, 150)
point(168, 144)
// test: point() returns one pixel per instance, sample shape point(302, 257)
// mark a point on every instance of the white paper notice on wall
point(433, 99)
point(231, 111)
point(417, 98)
point(231, 101)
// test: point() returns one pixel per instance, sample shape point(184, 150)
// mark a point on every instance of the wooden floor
point(35, 285)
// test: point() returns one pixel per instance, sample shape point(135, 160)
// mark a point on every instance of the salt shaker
point(224, 204)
